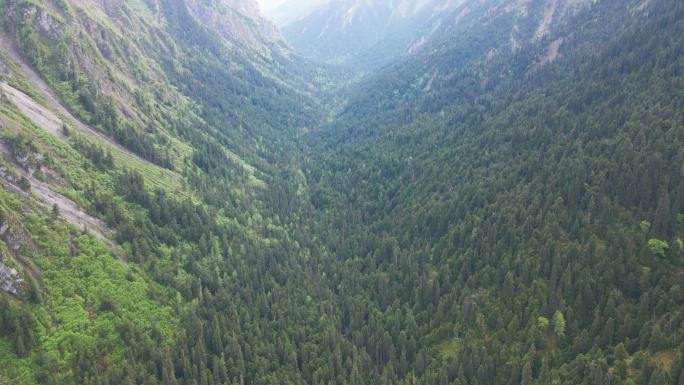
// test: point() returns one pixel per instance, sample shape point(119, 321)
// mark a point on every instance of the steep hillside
point(511, 218)
point(144, 160)
point(115, 67)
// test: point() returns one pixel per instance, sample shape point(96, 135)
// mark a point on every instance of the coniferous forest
point(187, 200)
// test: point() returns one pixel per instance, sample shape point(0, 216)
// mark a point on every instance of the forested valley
point(188, 201)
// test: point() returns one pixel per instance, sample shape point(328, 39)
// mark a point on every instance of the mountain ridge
point(398, 30)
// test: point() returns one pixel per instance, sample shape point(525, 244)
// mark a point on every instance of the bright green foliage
point(20, 370)
point(658, 247)
point(558, 324)
point(542, 323)
point(89, 297)
point(645, 225)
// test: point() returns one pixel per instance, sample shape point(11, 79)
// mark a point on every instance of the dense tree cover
point(525, 228)
point(17, 326)
point(97, 155)
point(480, 232)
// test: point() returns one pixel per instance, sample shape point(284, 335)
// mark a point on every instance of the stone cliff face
point(9, 279)
point(237, 21)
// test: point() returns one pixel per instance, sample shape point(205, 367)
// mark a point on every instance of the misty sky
point(294, 10)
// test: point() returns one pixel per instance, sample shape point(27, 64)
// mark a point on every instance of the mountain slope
point(174, 191)
point(179, 205)
point(518, 218)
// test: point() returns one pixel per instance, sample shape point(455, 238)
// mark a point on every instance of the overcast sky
point(294, 10)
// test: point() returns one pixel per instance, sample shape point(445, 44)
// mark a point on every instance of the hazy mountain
point(369, 34)
point(290, 11)
point(341, 31)
point(238, 20)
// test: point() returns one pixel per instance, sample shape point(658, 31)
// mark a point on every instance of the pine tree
point(24, 184)
point(607, 335)
point(559, 324)
point(526, 374)
point(19, 344)
point(168, 371)
point(660, 377)
point(677, 367)
point(663, 223)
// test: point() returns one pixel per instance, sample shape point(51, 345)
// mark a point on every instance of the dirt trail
point(39, 114)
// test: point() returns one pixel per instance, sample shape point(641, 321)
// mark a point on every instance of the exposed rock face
point(9, 279)
point(14, 237)
point(25, 155)
point(7, 175)
point(238, 21)
point(42, 21)
point(245, 7)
